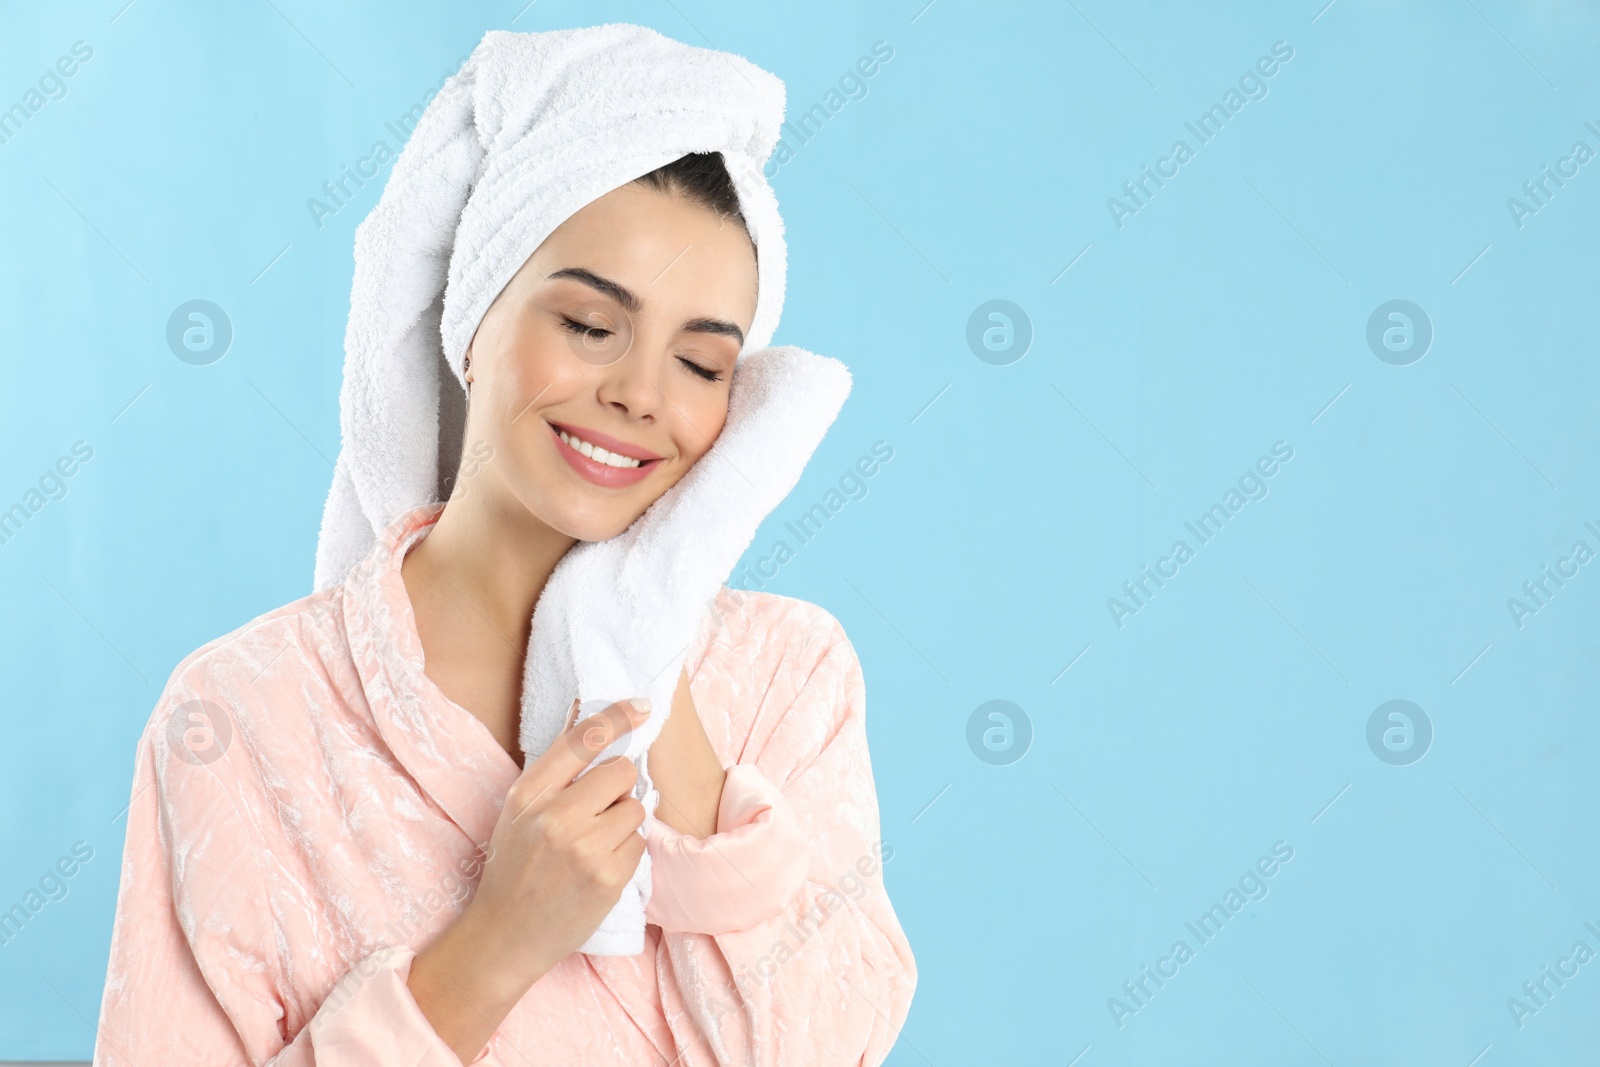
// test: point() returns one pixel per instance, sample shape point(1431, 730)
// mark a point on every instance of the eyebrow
point(631, 303)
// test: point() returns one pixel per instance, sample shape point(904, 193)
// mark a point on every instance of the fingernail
point(641, 703)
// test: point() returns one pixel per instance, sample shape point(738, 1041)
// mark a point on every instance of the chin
point(593, 532)
point(587, 524)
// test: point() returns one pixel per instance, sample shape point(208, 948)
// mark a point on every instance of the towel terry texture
point(533, 127)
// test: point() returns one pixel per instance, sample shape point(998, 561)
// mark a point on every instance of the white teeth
point(596, 453)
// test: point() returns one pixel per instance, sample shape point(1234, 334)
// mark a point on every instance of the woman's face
point(621, 331)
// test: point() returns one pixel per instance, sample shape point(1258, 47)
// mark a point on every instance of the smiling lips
point(603, 459)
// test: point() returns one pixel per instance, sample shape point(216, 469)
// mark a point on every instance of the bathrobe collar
point(448, 750)
point(450, 753)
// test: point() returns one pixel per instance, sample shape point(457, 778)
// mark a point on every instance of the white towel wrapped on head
point(531, 129)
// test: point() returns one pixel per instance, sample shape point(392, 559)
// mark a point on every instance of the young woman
point(336, 852)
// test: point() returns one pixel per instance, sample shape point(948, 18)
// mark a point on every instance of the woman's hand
point(559, 857)
point(685, 769)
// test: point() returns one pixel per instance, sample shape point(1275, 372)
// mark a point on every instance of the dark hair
point(703, 178)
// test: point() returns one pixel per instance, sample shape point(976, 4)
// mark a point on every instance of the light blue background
point(1228, 314)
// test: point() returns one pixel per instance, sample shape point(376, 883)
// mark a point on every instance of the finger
point(613, 825)
point(577, 746)
point(587, 738)
point(602, 787)
point(586, 797)
point(628, 851)
point(626, 855)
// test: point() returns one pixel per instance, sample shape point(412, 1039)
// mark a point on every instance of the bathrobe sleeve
point(742, 874)
point(194, 973)
point(828, 980)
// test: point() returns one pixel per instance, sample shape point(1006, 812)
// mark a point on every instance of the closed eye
point(705, 372)
point(574, 326)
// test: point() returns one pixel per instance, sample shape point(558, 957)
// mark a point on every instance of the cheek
point(535, 363)
point(529, 375)
point(707, 415)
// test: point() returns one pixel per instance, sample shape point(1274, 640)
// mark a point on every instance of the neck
point(493, 554)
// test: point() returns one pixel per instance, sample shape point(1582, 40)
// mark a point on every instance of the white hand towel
point(617, 617)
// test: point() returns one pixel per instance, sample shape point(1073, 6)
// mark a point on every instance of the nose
point(631, 385)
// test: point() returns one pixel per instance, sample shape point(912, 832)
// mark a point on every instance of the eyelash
point(573, 326)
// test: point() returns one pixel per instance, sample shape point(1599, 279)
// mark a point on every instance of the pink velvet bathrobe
point(295, 840)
